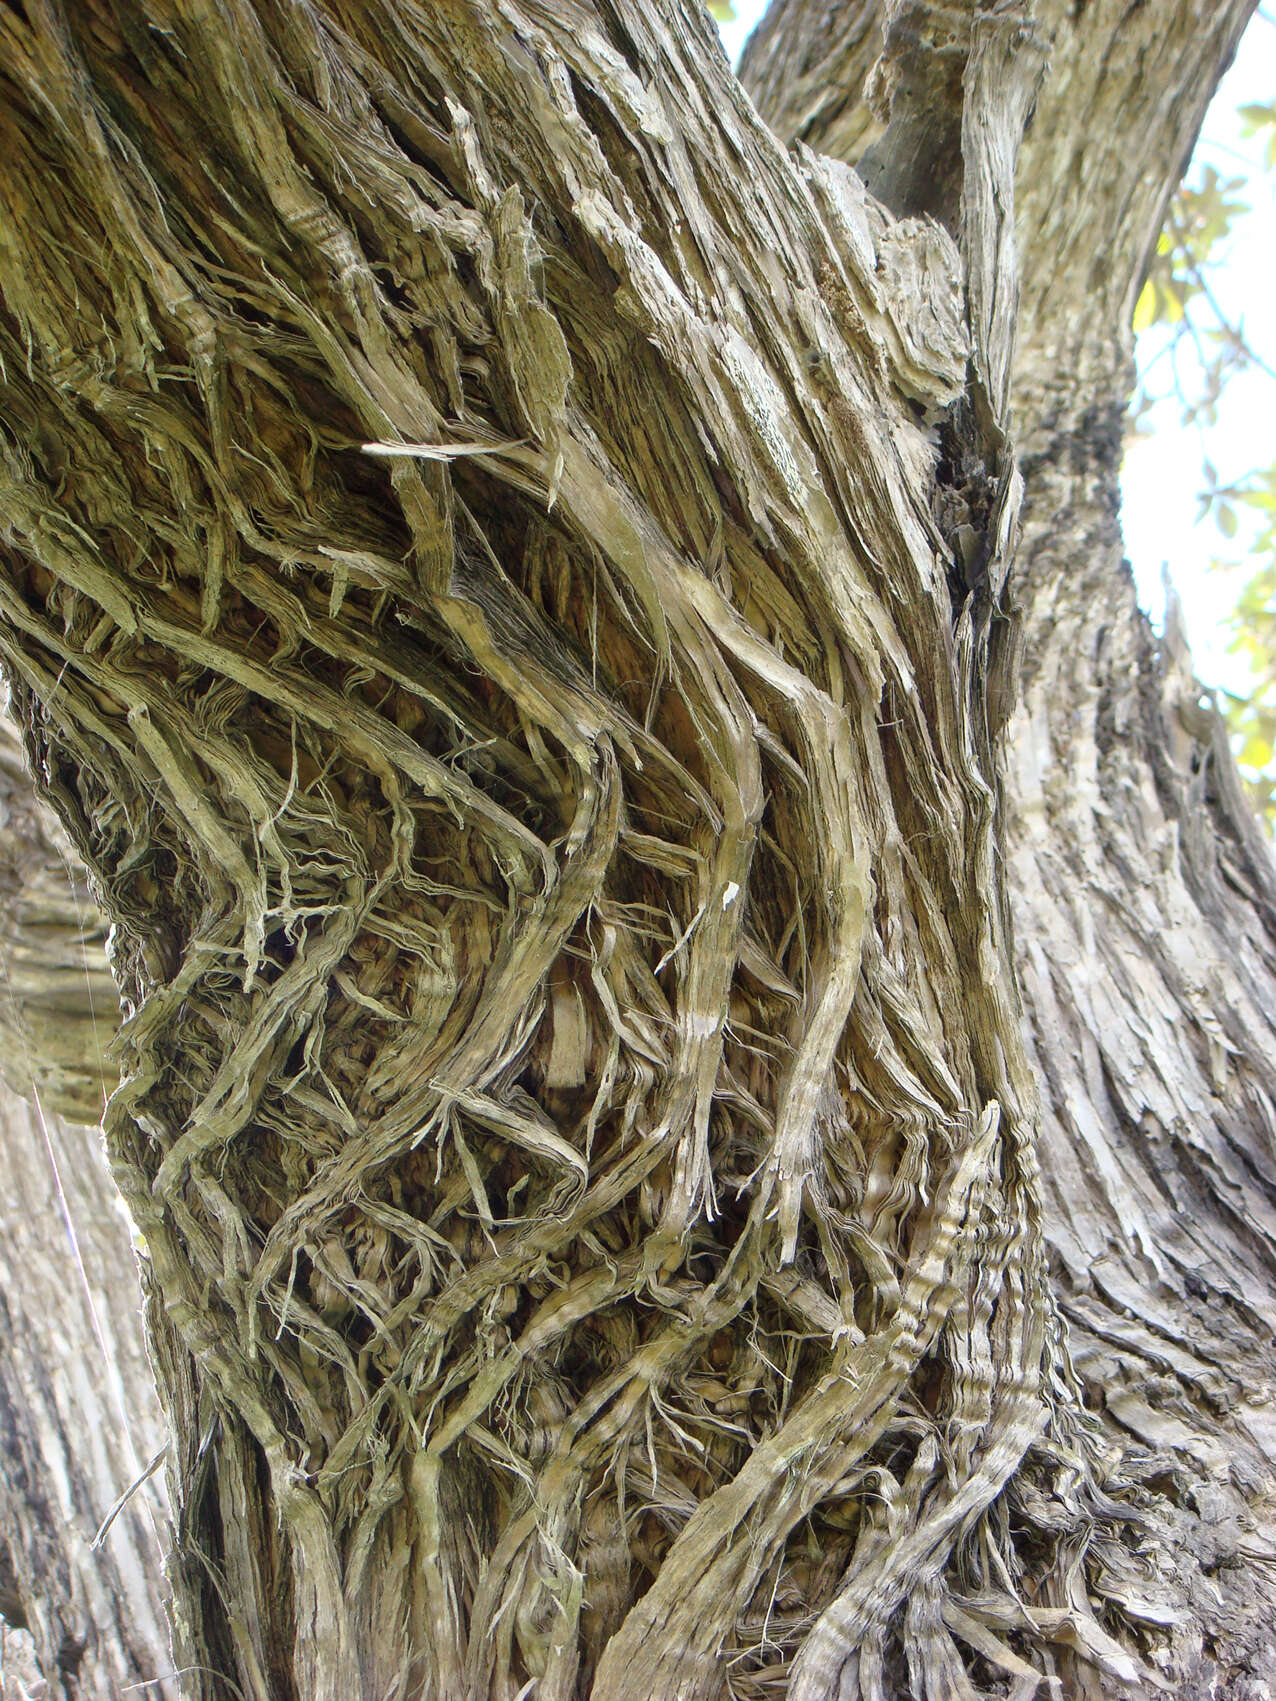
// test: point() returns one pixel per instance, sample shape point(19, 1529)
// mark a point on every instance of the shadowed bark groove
point(504, 580)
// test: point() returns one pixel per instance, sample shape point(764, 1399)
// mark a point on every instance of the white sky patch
point(1162, 476)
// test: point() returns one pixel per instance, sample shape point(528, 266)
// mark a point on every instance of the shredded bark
point(479, 589)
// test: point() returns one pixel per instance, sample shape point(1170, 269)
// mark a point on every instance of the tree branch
point(1114, 124)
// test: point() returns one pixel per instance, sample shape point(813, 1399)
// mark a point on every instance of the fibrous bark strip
point(504, 579)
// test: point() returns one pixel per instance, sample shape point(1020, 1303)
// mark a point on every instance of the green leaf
point(1256, 116)
point(1145, 313)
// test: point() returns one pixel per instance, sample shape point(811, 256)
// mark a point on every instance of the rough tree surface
point(78, 1425)
point(78, 1417)
point(679, 939)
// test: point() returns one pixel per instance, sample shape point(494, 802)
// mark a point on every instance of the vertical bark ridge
point(1140, 884)
point(1157, 1120)
point(1150, 1013)
point(58, 1004)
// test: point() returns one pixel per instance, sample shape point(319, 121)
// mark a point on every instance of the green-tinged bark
point(58, 1004)
point(509, 581)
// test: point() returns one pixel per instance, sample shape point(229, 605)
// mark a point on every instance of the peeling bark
point(1141, 886)
point(508, 580)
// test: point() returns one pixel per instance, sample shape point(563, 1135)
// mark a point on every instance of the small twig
point(124, 1499)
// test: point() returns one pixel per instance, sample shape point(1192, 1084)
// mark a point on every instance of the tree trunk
point(515, 585)
point(78, 1424)
point(78, 1416)
point(1141, 886)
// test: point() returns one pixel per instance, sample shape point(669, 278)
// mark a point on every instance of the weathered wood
point(508, 582)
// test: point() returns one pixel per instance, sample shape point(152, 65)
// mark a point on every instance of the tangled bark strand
point(473, 592)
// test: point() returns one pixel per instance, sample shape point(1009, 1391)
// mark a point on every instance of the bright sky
point(1162, 473)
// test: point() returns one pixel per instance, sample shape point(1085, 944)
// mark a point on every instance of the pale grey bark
point(78, 1423)
point(510, 579)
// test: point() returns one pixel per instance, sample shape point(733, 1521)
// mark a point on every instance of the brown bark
point(508, 582)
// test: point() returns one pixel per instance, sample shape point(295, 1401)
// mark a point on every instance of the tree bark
point(1141, 886)
point(78, 1423)
point(78, 1414)
point(58, 1005)
point(509, 582)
